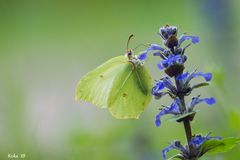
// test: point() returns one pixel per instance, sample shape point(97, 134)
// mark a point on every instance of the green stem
point(187, 127)
point(186, 121)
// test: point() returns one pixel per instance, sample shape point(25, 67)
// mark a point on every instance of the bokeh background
point(47, 46)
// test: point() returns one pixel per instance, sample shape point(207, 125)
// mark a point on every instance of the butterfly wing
point(131, 92)
point(96, 85)
point(118, 85)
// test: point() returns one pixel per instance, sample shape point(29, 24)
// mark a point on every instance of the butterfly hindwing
point(131, 93)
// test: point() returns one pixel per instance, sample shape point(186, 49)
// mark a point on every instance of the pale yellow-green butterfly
point(122, 85)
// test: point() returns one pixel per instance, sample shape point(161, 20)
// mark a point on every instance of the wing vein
point(124, 82)
point(141, 85)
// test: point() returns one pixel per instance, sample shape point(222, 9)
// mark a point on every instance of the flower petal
point(171, 60)
point(157, 54)
point(210, 101)
point(161, 94)
point(157, 88)
point(173, 109)
point(198, 140)
point(206, 76)
point(164, 151)
point(160, 65)
point(196, 100)
point(182, 76)
point(175, 106)
point(158, 122)
point(167, 31)
point(177, 145)
point(158, 118)
point(142, 56)
point(153, 47)
point(194, 39)
point(168, 84)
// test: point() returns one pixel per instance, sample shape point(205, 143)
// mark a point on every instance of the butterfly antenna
point(129, 38)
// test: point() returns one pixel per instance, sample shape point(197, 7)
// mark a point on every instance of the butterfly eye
point(129, 53)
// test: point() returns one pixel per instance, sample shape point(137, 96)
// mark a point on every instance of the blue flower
point(160, 85)
point(156, 90)
point(195, 143)
point(164, 151)
point(142, 56)
point(186, 77)
point(171, 60)
point(189, 76)
point(173, 109)
point(153, 47)
point(194, 39)
point(178, 146)
point(167, 31)
point(198, 140)
point(169, 34)
point(196, 100)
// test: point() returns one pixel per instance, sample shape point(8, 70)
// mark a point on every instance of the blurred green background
point(47, 46)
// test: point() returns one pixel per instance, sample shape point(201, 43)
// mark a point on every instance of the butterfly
point(122, 85)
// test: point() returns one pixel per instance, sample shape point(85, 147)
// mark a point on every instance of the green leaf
point(177, 156)
point(200, 85)
point(119, 85)
point(217, 146)
point(182, 116)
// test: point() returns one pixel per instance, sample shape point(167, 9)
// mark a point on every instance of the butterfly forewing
point(96, 85)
